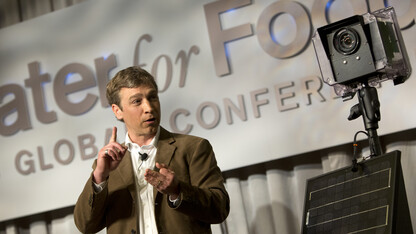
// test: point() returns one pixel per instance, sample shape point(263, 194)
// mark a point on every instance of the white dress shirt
point(145, 198)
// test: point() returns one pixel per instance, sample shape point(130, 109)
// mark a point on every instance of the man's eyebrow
point(137, 95)
point(152, 92)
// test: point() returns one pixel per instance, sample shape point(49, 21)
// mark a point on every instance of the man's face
point(140, 110)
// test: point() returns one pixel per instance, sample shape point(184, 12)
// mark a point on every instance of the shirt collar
point(130, 145)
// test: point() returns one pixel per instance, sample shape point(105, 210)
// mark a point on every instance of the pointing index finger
point(114, 135)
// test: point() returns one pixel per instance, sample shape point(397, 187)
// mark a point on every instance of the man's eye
point(136, 101)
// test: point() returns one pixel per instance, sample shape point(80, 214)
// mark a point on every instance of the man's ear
point(118, 112)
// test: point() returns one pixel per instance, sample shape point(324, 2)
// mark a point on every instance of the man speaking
point(156, 181)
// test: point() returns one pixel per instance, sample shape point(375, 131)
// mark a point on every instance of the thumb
point(113, 135)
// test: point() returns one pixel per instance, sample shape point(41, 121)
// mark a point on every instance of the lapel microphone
point(143, 156)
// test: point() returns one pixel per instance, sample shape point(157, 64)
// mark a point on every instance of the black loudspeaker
point(370, 200)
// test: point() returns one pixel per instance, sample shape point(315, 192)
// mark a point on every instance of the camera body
point(362, 50)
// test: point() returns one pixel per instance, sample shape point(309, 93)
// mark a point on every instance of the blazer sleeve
point(90, 208)
point(205, 197)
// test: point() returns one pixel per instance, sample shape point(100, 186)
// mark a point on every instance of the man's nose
point(147, 106)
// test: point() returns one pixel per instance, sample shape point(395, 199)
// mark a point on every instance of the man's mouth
point(152, 120)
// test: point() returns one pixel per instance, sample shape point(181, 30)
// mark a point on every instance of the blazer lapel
point(165, 150)
point(125, 171)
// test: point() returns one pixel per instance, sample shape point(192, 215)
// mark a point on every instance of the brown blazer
point(204, 199)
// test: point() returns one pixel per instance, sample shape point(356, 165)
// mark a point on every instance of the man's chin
point(152, 129)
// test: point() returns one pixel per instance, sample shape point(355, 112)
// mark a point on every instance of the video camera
point(362, 50)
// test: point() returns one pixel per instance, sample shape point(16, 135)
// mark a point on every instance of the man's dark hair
point(131, 77)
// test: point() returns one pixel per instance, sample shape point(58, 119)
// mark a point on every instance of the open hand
point(164, 180)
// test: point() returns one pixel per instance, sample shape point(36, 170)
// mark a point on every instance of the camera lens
point(346, 41)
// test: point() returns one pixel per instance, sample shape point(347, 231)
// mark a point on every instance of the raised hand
point(109, 157)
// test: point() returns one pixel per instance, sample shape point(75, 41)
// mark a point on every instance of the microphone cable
point(354, 155)
point(143, 157)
